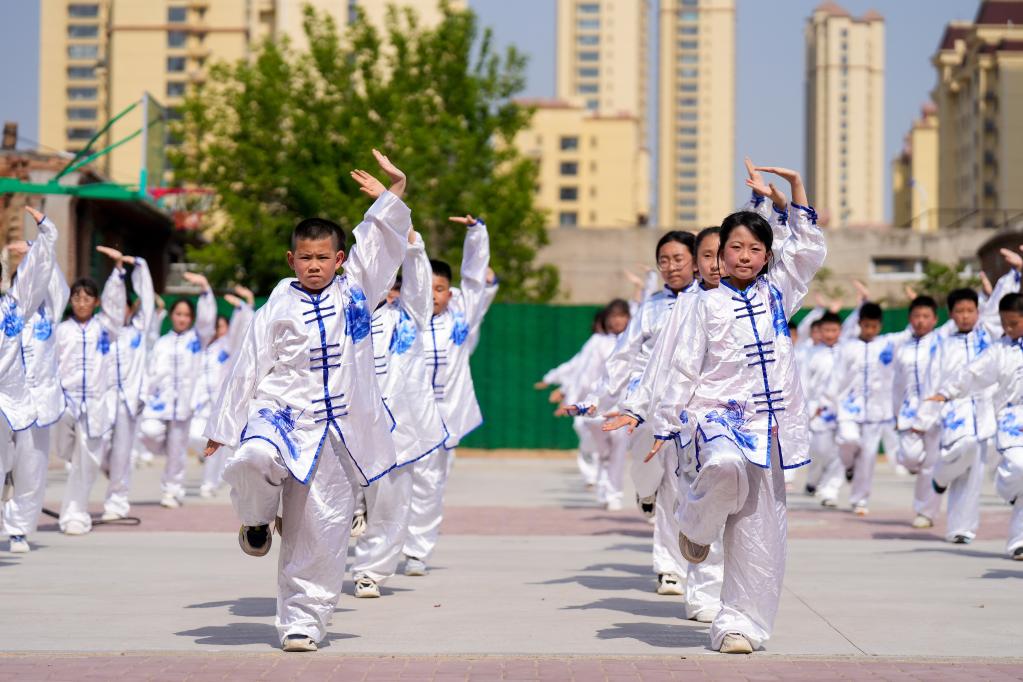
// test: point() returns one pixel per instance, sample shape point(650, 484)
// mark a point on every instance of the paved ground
point(530, 581)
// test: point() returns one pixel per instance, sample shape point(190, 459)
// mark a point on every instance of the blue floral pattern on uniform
point(103, 342)
point(223, 356)
point(1007, 424)
point(136, 340)
point(781, 325)
point(633, 383)
point(43, 327)
point(951, 421)
point(195, 345)
point(13, 322)
point(982, 341)
point(683, 417)
point(849, 404)
point(358, 321)
point(908, 411)
point(156, 404)
point(887, 354)
point(283, 423)
point(734, 419)
point(404, 334)
point(459, 330)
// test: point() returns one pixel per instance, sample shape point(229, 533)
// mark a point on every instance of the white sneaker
point(19, 545)
point(169, 501)
point(734, 643)
point(298, 643)
point(75, 528)
point(922, 521)
point(901, 470)
point(367, 588)
point(206, 492)
point(358, 525)
point(669, 584)
point(860, 509)
point(111, 516)
point(704, 616)
point(414, 566)
point(829, 502)
point(614, 505)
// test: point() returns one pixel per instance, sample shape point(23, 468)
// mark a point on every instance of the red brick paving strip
point(204, 667)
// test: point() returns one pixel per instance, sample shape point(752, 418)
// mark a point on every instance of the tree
point(939, 279)
point(276, 136)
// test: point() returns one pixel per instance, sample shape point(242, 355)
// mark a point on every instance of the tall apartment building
point(696, 113)
point(99, 56)
point(845, 65)
point(591, 175)
point(915, 175)
point(979, 96)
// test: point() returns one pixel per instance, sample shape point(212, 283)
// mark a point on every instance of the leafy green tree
point(939, 279)
point(277, 135)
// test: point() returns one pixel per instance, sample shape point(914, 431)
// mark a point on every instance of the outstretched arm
point(475, 261)
point(30, 286)
point(205, 309)
point(417, 282)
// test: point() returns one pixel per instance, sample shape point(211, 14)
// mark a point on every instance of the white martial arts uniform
point(735, 392)
point(175, 367)
point(87, 374)
point(419, 431)
point(565, 376)
point(447, 351)
point(30, 395)
point(825, 472)
point(302, 408)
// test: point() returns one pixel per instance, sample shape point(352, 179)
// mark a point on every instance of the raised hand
point(632, 277)
point(836, 306)
point(1014, 260)
point(158, 300)
point(794, 179)
point(17, 248)
point(36, 215)
point(985, 283)
point(861, 290)
point(819, 299)
point(233, 300)
point(491, 276)
point(197, 279)
point(756, 180)
point(367, 183)
point(246, 294)
point(396, 175)
point(466, 220)
point(112, 254)
point(909, 291)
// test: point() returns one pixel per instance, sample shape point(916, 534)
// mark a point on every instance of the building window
point(82, 93)
point(80, 133)
point(689, 73)
point(689, 59)
point(81, 113)
point(687, 174)
point(177, 15)
point(83, 51)
point(589, 72)
point(688, 102)
point(77, 73)
point(175, 89)
point(897, 267)
point(687, 217)
point(176, 64)
point(690, 3)
point(687, 131)
point(589, 24)
point(176, 38)
point(569, 142)
point(687, 188)
point(587, 88)
point(688, 87)
point(588, 8)
point(82, 11)
point(687, 144)
point(568, 219)
point(569, 168)
point(689, 116)
point(592, 104)
point(688, 30)
point(686, 203)
point(589, 40)
point(687, 159)
point(688, 44)
point(589, 56)
point(688, 16)
point(83, 31)
point(568, 193)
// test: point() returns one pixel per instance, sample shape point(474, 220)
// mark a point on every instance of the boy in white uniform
point(303, 409)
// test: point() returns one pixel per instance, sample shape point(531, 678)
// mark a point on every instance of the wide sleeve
point(686, 366)
point(32, 281)
point(489, 294)
point(839, 377)
point(417, 284)
point(615, 380)
point(851, 325)
point(380, 243)
point(1008, 283)
point(563, 373)
point(899, 381)
point(657, 373)
point(241, 318)
point(206, 317)
point(985, 371)
point(473, 284)
point(928, 412)
point(798, 259)
point(142, 283)
point(114, 300)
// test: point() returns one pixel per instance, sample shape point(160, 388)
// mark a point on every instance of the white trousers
point(1009, 484)
point(920, 459)
point(612, 451)
point(379, 550)
point(119, 464)
point(658, 477)
point(28, 454)
point(317, 525)
point(825, 470)
point(168, 437)
point(890, 441)
point(960, 469)
point(586, 457)
point(748, 503)
point(212, 466)
point(703, 580)
point(857, 448)
point(429, 479)
point(90, 456)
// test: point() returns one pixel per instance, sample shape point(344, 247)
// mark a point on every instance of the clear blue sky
point(769, 117)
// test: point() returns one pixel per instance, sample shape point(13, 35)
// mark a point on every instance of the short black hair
point(686, 239)
point(618, 305)
point(830, 318)
point(182, 301)
point(86, 284)
point(397, 283)
point(441, 269)
point(755, 223)
point(226, 320)
point(871, 311)
point(703, 234)
point(319, 228)
point(923, 301)
point(958, 295)
point(793, 324)
point(598, 321)
point(813, 325)
point(1011, 303)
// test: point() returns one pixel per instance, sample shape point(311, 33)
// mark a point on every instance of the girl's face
point(222, 328)
point(676, 265)
point(616, 321)
point(181, 318)
point(707, 261)
point(743, 255)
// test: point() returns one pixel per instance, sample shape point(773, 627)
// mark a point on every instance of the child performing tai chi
point(303, 409)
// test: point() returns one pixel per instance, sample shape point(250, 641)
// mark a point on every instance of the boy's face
point(965, 314)
point(441, 294)
point(815, 334)
point(869, 329)
point(83, 304)
point(616, 322)
point(830, 332)
point(315, 262)
point(707, 261)
point(1012, 323)
point(922, 319)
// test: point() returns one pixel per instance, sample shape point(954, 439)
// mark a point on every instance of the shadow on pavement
point(634, 569)
point(240, 634)
point(664, 636)
point(1002, 573)
point(630, 547)
point(663, 607)
point(955, 549)
point(601, 582)
point(248, 607)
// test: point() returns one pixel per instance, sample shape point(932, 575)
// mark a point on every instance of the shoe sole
point(255, 551)
point(741, 647)
point(415, 573)
point(367, 595)
point(692, 552)
point(703, 617)
point(670, 591)
point(299, 646)
point(20, 550)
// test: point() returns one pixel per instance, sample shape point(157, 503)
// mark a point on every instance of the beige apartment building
point(99, 56)
point(845, 66)
point(697, 113)
point(592, 173)
point(915, 175)
point(979, 97)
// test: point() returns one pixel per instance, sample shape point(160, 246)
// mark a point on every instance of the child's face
point(616, 322)
point(869, 329)
point(441, 294)
point(392, 295)
point(744, 256)
point(707, 261)
point(222, 328)
point(830, 332)
point(965, 315)
point(1012, 323)
point(315, 262)
point(815, 334)
point(676, 265)
point(794, 335)
point(83, 304)
point(922, 319)
point(181, 318)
